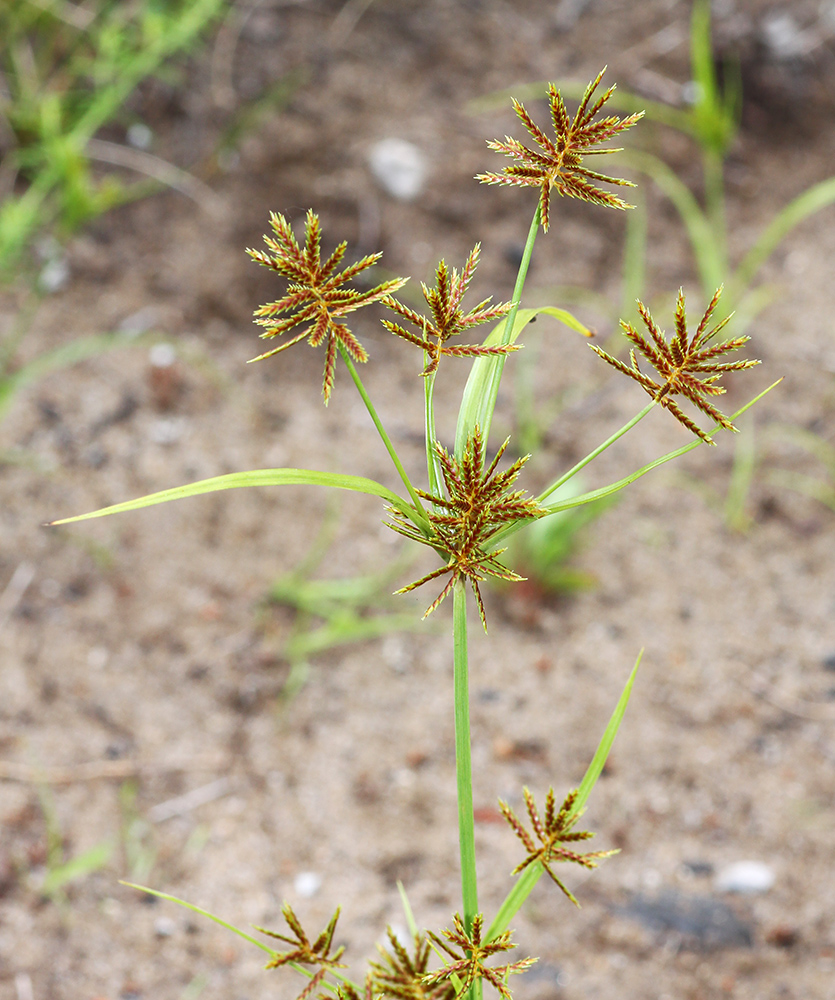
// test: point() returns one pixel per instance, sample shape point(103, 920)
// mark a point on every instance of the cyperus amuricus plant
point(466, 510)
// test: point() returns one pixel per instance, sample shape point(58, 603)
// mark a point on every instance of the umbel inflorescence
point(558, 163)
point(683, 362)
point(477, 504)
point(316, 298)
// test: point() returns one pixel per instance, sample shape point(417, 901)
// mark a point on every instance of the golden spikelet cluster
point(469, 955)
point(448, 319)
point(558, 163)
point(552, 831)
point(316, 296)
point(682, 362)
point(304, 952)
point(477, 504)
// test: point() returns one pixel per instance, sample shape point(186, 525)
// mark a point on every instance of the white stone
point(307, 884)
point(745, 877)
point(164, 927)
point(399, 167)
point(140, 136)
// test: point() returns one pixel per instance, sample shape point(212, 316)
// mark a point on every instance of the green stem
point(597, 451)
point(491, 389)
point(521, 278)
point(463, 759)
point(346, 357)
point(432, 463)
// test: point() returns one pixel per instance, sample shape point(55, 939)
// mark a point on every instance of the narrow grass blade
point(605, 491)
point(255, 477)
point(203, 913)
point(68, 354)
point(806, 204)
point(407, 909)
point(699, 230)
point(77, 867)
point(595, 769)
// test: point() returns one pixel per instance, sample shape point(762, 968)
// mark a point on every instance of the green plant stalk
point(463, 757)
point(463, 432)
point(346, 357)
point(597, 451)
point(521, 277)
point(432, 463)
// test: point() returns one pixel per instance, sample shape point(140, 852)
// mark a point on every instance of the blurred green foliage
point(66, 71)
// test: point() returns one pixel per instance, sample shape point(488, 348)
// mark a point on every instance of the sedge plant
point(465, 511)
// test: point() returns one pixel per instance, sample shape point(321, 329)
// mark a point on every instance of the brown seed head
point(558, 163)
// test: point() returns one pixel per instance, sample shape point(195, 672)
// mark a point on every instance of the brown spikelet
point(305, 953)
point(555, 831)
point(316, 294)
point(469, 953)
point(558, 163)
point(681, 362)
point(402, 975)
point(477, 504)
point(448, 319)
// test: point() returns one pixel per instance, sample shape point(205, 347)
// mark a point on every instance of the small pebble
point(307, 884)
point(399, 167)
point(167, 430)
point(745, 877)
point(54, 275)
point(164, 927)
point(162, 356)
point(700, 869)
point(782, 36)
point(139, 136)
point(140, 321)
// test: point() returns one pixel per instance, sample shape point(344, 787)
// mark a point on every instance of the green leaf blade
point(254, 477)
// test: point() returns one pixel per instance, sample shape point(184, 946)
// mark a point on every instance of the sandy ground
point(140, 662)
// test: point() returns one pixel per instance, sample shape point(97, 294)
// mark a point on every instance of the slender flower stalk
point(413, 493)
point(463, 754)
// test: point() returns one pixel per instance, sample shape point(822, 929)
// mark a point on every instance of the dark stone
point(701, 869)
point(700, 922)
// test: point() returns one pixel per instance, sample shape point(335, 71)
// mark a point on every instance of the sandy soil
point(140, 662)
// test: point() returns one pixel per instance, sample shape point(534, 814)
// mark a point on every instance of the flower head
point(680, 363)
point(477, 504)
point(558, 163)
point(555, 831)
point(448, 319)
point(305, 953)
point(469, 958)
point(315, 295)
point(403, 976)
